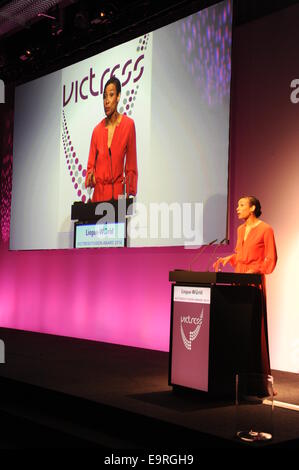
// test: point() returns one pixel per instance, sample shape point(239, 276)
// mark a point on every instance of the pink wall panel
point(119, 296)
point(266, 148)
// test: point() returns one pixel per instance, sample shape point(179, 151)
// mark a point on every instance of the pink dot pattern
point(129, 98)
point(74, 167)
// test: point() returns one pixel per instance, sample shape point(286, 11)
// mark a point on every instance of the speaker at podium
point(218, 329)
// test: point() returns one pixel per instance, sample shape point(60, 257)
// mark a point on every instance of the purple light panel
point(206, 38)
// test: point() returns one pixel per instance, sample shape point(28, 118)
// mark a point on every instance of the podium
point(101, 224)
point(218, 329)
point(86, 212)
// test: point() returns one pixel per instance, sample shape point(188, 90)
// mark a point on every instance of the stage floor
point(120, 395)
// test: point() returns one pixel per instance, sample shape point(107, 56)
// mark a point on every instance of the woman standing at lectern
point(112, 161)
point(255, 253)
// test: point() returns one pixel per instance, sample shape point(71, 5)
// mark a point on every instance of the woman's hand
point(220, 261)
point(90, 181)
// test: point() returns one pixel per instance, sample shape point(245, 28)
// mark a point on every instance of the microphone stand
point(200, 253)
point(94, 170)
point(213, 253)
point(89, 189)
point(110, 154)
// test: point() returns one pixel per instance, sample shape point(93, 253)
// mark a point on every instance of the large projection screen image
point(176, 89)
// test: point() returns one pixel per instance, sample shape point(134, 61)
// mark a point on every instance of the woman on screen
point(112, 161)
point(255, 253)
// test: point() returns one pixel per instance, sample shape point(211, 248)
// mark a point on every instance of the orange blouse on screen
point(111, 166)
point(257, 254)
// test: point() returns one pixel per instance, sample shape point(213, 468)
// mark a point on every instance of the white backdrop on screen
point(175, 86)
point(36, 164)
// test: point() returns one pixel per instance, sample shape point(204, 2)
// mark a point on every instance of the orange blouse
point(112, 166)
point(256, 254)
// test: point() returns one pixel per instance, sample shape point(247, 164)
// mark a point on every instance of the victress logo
point(92, 85)
point(197, 322)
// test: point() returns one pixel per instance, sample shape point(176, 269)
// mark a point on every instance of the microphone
point(94, 169)
point(214, 251)
point(125, 187)
point(95, 160)
point(201, 252)
point(110, 154)
point(128, 185)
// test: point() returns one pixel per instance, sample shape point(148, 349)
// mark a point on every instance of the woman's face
point(110, 99)
point(244, 210)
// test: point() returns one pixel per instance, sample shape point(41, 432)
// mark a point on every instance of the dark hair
point(113, 81)
point(253, 201)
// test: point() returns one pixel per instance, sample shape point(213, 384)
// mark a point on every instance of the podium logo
point(2, 92)
point(197, 322)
